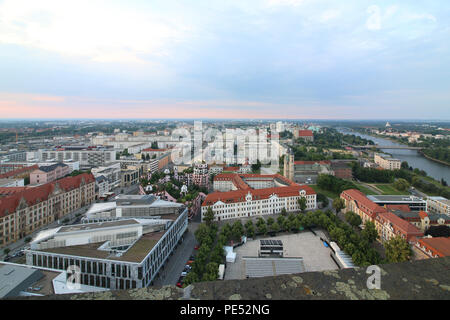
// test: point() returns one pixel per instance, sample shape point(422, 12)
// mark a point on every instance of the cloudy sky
point(297, 59)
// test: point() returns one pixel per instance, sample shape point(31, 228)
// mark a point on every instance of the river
point(413, 157)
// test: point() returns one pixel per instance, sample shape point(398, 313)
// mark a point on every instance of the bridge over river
point(369, 146)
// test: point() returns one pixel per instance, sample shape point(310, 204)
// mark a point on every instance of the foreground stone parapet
point(423, 279)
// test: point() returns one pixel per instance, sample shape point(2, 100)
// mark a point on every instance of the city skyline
point(274, 59)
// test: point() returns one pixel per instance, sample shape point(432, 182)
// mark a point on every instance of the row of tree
point(209, 256)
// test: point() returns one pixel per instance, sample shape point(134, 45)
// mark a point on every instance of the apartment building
point(89, 157)
point(154, 152)
point(19, 173)
point(386, 162)
point(49, 173)
point(438, 205)
point(248, 195)
point(111, 173)
point(29, 209)
point(421, 219)
point(200, 176)
point(130, 176)
point(387, 223)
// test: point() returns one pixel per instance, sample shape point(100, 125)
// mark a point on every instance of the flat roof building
point(414, 203)
point(115, 254)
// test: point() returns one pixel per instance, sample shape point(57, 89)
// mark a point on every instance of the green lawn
point(389, 189)
point(364, 189)
point(327, 193)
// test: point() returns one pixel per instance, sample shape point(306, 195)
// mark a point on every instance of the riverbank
point(433, 159)
point(414, 158)
point(395, 140)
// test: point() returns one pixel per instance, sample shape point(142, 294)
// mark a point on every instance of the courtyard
point(316, 257)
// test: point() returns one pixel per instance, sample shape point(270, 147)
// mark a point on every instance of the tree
point(256, 166)
point(249, 229)
point(281, 222)
point(208, 217)
point(302, 203)
point(6, 251)
point(275, 227)
point(202, 233)
point(191, 277)
point(262, 228)
point(322, 198)
point(405, 165)
point(212, 272)
point(370, 232)
point(401, 184)
point(291, 217)
point(338, 204)
point(296, 224)
point(353, 218)
point(397, 250)
point(283, 211)
point(226, 230)
point(270, 221)
point(237, 230)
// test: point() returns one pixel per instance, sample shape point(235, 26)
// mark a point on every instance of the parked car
point(196, 247)
point(192, 257)
point(189, 262)
point(187, 268)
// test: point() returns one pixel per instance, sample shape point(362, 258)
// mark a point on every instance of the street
point(176, 262)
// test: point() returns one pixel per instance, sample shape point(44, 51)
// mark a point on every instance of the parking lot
point(316, 257)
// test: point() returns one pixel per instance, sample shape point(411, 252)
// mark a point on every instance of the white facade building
point(255, 195)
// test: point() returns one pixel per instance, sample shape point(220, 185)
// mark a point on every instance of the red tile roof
point(399, 224)
point(38, 194)
point(401, 207)
point(257, 194)
point(313, 162)
point(151, 149)
point(230, 168)
point(439, 246)
point(363, 203)
point(292, 189)
point(423, 214)
point(6, 191)
point(305, 133)
point(18, 171)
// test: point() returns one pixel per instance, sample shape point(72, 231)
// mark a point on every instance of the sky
point(265, 59)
